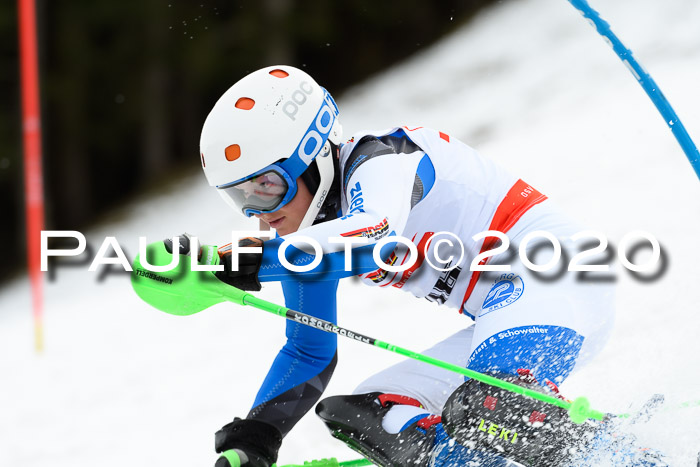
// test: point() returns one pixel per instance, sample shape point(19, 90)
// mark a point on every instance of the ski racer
point(272, 147)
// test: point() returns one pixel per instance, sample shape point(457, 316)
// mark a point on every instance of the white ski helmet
point(263, 133)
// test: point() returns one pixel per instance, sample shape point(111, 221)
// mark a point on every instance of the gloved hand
point(184, 245)
point(248, 443)
point(246, 277)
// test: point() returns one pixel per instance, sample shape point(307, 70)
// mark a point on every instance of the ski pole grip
point(228, 459)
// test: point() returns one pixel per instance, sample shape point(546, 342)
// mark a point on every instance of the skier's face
point(287, 219)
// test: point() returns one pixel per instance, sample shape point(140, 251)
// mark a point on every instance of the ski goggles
point(266, 190)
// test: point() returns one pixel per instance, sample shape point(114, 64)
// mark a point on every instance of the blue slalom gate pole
point(645, 80)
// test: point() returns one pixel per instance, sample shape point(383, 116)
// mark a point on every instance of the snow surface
point(528, 83)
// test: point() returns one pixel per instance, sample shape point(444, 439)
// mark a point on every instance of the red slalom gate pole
point(33, 180)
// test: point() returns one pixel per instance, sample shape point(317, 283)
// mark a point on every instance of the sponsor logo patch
point(374, 232)
point(380, 274)
point(356, 201)
point(506, 290)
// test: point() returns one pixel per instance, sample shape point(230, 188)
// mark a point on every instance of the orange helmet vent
point(245, 103)
point(279, 73)
point(233, 152)
point(203, 163)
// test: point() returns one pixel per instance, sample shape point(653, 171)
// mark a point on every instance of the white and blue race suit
point(425, 186)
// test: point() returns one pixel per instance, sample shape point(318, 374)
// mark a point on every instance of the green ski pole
point(234, 461)
point(332, 462)
point(579, 410)
point(181, 291)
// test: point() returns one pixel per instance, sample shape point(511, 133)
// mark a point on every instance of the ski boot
point(357, 421)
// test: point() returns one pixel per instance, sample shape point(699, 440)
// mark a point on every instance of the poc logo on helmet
point(291, 107)
point(318, 131)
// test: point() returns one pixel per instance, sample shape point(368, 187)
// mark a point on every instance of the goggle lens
point(263, 192)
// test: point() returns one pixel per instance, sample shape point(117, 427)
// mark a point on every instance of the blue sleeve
point(331, 268)
point(303, 367)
